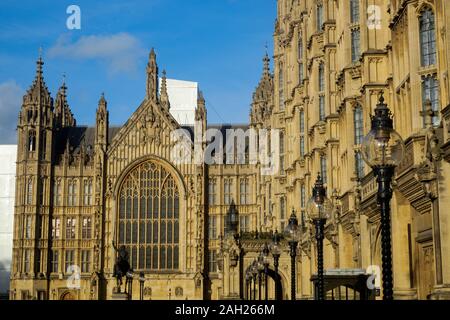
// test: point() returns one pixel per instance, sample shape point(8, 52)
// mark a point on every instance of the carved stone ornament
point(149, 127)
point(178, 291)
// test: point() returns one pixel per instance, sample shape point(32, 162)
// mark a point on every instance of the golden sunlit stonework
point(83, 192)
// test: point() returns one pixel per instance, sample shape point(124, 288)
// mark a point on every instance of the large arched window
point(427, 38)
point(149, 207)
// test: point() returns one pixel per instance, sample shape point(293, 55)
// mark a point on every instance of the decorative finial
point(200, 95)
point(266, 61)
point(381, 98)
point(102, 101)
point(63, 86)
point(39, 63)
point(152, 54)
point(164, 97)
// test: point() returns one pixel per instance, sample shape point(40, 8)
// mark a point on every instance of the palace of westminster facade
point(81, 192)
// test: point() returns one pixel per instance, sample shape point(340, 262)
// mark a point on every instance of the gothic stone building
point(82, 192)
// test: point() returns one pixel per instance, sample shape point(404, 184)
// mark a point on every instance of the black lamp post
point(260, 266)
point(248, 282)
point(383, 150)
point(276, 252)
point(265, 254)
point(319, 208)
point(254, 271)
point(141, 285)
point(292, 233)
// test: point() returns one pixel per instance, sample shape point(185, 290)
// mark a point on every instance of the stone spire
point(263, 95)
point(63, 114)
point(38, 91)
point(36, 118)
point(102, 104)
point(164, 97)
point(200, 112)
point(152, 77)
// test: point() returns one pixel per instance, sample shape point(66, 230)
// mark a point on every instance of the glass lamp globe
point(254, 269)
point(292, 231)
point(260, 264)
point(382, 146)
point(265, 253)
point(275, 245)
point(248, 275)
point(319, 206)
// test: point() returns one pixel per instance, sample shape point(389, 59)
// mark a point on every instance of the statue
point(121, 267)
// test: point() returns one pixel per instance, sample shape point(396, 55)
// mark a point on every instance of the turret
point(263, 95)
point(63, 115)
point(36, 120)
point(102, 122)
point(33, 179)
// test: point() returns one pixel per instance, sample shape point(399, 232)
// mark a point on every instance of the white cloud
point(120, 51)
point(10, 102)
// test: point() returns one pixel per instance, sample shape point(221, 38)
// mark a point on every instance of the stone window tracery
point(149, 208)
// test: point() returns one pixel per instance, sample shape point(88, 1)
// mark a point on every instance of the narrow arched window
point(29, 195)
point(319, 17)
point(323, 168)
point(430, 92)
point(43, 146)
point(282, 150)
point(356, 50)
point(359, 165)
point(57, 192)
point(427, 37)
point(87, 192)
point(72, 193)
point(281, 86)
point(354, 11)
point(300, 59)
point(32, 141)
point(212, 192)
point(302, 134)
point(282, 213)
point(358, 124)
point(321, 77)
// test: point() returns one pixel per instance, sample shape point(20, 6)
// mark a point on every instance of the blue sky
point(218, 43)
